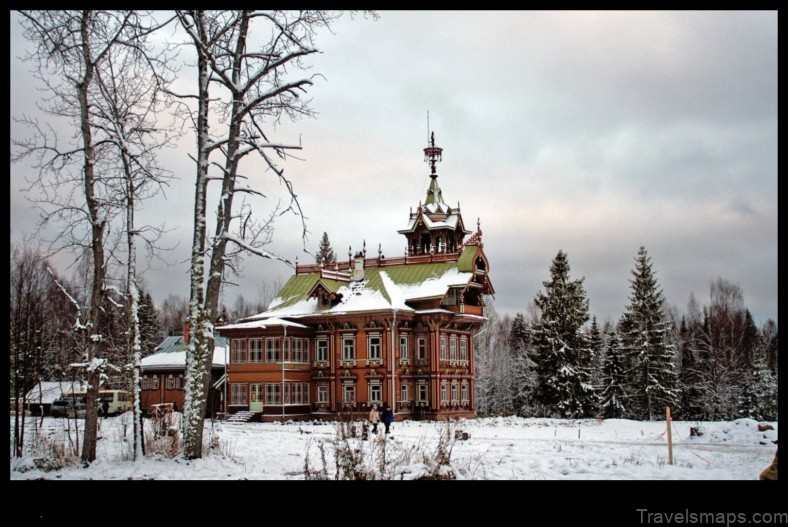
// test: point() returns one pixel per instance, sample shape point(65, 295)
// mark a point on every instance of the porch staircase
point(244, 416)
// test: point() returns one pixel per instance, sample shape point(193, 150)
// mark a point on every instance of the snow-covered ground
point(502, 448)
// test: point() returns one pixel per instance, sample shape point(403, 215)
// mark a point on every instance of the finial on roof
point(380, 252)
point(364, 248)
point(432, 155)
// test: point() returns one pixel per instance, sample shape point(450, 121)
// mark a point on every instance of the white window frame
point(444, 392)
point(239, 351)
point(351, 340)
point(273, 393)
point(239, 393)
point(464, 348)
point(403, 393)
point(145, 382)
point(321, 355)
point(424, 393)
point(154, 382)
point(322, 394)
point(273, 350)
point(374, 351)
point(170, 382)
point(455, 393)
point(404, 341)
point(453, 348)
point(255, 355)
point(464, 392)
point(421, 348)
point(287, 350)
point(296, 351)
point(348, 388)
point(379, 388)
point(443, 347)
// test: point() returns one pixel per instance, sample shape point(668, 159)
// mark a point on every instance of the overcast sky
point(588, 132)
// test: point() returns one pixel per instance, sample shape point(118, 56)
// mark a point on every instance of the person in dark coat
point(105, 408)
point(388, 417)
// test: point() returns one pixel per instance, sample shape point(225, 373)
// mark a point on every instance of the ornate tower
point(435, 227)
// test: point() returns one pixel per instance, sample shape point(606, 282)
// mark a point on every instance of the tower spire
point(432, 155)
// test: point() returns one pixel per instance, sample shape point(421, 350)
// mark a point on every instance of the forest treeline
point(707, 362)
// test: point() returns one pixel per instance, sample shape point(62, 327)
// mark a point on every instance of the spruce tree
point(325, 254)
point(597, 346)
point(691, 397)
point(150, 326)
point(613, 379)
point(644, 333)
point(523, 375)
point(563, 379)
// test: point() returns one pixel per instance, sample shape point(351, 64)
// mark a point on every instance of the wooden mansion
point(343, 336)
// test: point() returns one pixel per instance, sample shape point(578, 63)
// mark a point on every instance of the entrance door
point(256, 397)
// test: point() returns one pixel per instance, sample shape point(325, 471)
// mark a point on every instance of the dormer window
point(324, 301)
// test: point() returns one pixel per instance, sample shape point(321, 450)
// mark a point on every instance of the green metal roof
point(465, 262)
point(298, 287)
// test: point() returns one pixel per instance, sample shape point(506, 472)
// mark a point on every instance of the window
point(454, 391)
point(374, 347)
point(154, 382)
point(255, 350)
point(374, 393)
point(273, 392)
point(272, 352)
point(443, 348)
point(348, 348)
point(255, 393)
point(286, 351)
point(423, 393)
point(145, 382)
point(403, 347)
point(297, 393)
point(403, 393)
point(444, 393)
point(238, 351)
point(322, 350)
point(421, 344)
point(464, 348)
point(453, 348)
point(179, 382)
point(322, 394)
point(300, 352)
point(239, 392)
point(349, 393)
point(170, 383)
point(465, 391)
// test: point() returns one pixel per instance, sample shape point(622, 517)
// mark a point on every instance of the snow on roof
point(264, 323)
point(383, 289)
point(449, 223)
point(171, 354)
point(47, 391)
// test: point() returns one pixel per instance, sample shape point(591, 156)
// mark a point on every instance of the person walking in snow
point(374, 418)
point(388, 417)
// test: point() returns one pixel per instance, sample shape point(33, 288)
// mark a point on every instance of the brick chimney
point(186, 331)
point(358, 270)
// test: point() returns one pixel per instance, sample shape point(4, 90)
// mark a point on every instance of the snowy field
point(503, 448)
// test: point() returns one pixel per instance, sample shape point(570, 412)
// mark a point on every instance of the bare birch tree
point(74, 185)
point(254, 91)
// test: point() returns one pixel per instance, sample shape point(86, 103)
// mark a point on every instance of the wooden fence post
point(670, 439)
